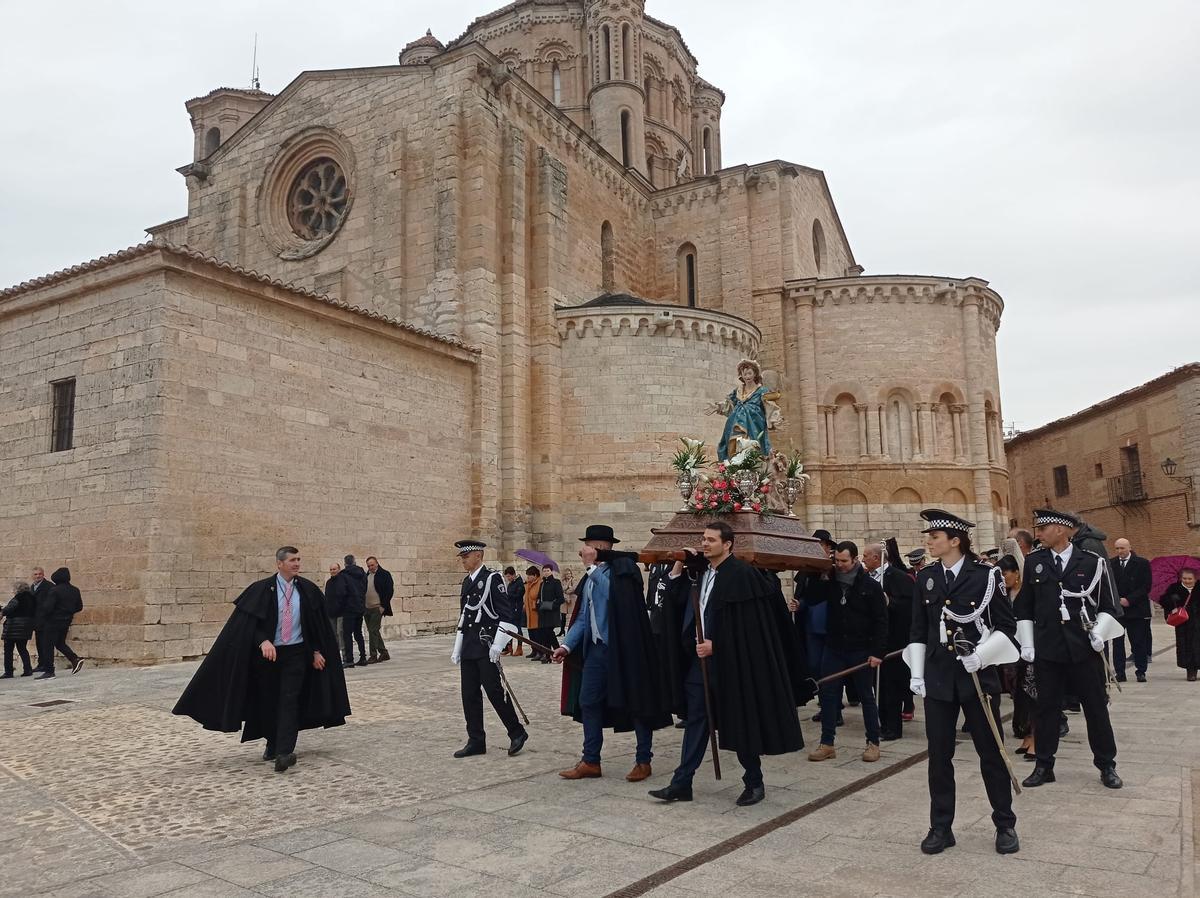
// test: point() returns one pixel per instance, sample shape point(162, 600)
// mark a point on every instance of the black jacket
point(356, 592)
point(898, 586)
point(479, 627)
point(385, 587)
point(337, 594)
point(945, 677)
point(221, 695)
point(1053, 638)
point(43, 603)
point(65, 600)
point(1133, 583)
point(858, 620)
point(550, 593)
point(18, 617)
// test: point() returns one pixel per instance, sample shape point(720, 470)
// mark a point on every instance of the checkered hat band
point(469, 548)
point(1053, 519)
point(945, 524)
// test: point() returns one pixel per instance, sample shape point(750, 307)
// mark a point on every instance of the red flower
point(721, 466)
point(757, 506)
point(712, 504)
point(737, 506)
point(765, 488)
point(726, 496)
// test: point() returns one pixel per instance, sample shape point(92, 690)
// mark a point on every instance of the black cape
point(221, 694)
point(637, 687)
point(760, 679)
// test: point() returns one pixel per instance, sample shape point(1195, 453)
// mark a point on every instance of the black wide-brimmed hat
point(1044, 516)
point(601, 532)
point(824, 536)
point(937, 519)
point(467, 546)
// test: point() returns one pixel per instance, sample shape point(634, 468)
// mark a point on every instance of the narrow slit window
point(62, 436)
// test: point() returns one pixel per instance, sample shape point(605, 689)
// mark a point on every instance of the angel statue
point(750, 411)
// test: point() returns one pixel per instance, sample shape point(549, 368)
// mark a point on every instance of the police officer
point(962, 623)
point(1065, 614)
point(484, 625)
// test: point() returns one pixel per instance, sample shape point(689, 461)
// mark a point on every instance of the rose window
point(318, 199)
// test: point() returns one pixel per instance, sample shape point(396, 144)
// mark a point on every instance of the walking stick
point(987, 712)
point(856, 668)
point(712, 723)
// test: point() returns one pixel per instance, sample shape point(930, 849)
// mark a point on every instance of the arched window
point(706, 142)
point(556, 84)
point(818, 244)
point(846, 442)
point(607, 273)
point(589, 69)
point(685, 274)
point(626, 153)
point(900, 427)
point(606, 50)
point(212, 140)
point(626, 54)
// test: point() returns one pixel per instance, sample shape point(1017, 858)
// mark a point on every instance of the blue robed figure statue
point(750, 411)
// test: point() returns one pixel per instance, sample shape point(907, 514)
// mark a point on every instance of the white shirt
point(956, 569)
point(1065, 555)
point(475, 573)
point(710, 577)
point(877, 574)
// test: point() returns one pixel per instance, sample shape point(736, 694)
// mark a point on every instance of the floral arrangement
point(691, 457)
point(739, 484)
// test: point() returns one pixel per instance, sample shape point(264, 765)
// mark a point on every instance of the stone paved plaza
point(109, 796)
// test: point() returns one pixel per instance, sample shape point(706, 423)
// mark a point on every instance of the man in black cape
point(755, 674)
point(622, 686)
point(267, 672)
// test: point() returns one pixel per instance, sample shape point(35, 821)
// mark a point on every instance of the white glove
point(456, 652)
point(494, 654)
point(917, 686)
point(1027, 654)
point(1097, 642)
point(971, 662)
point(1025, 639)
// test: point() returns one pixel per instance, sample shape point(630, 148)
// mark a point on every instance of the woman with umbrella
point(1182, 594)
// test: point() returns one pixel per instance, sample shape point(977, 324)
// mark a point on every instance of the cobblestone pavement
point(109, 796)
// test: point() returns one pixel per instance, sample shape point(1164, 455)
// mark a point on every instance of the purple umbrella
point(541, 559)
point(1165, 571)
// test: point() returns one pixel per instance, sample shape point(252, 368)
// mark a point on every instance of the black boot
point(937, 841)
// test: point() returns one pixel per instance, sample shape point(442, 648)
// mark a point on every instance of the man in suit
point(356, 608)
point(962, 624)
point(897, 586)
point(485, 624)
point(1133, 577)
point(268, 668)
point(1065, 613)
point(43, 610)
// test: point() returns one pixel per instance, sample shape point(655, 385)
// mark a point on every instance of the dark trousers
point(1140, 645)
point(279, 683)
point(545, 636)
point(336, 623)
point(477, 673)
point(695, 737)
point(1086, 680)
point(50, 637)
point(374, 618)
point(941, 728)
point(351, 633)
point(893, 687)
point(593, 700)
point(21, 645)
point(831, 693)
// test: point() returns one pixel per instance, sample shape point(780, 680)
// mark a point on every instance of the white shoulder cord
point(483, 606)
point(973, 616)
point(1085, 597)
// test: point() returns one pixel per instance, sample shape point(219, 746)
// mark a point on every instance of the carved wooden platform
point(766, 541)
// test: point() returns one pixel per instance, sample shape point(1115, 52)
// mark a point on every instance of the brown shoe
point(871, 752)
point(823, 753)
point(581, 771)
point(638, 773)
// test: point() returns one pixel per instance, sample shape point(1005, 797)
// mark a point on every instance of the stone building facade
point(542, 272)
point(1109, 463)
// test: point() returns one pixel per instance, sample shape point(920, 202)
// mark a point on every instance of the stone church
point(482, 291)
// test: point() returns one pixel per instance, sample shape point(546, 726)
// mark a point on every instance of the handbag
point(1179, 616)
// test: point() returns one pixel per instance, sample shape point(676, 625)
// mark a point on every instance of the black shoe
point(1039, 777)
point(347, 664)
point(673, 793)
point(1121, 679)
point(362, 662)
point(1063, 728)
point(885, 736)
point(1020, 750)
point(283, 762)
point(751, 795)
point(471, 748)
point(45, 675)
point(1074, 707)
point(1141, 678)
point(384, 656)
point(1006, 841)
point(28, 673)
point(518, 743)
point(7, 675)
point(937, 841)
point(1108, 776)
point(374, 659)
point(76, 665)
point(269, 753)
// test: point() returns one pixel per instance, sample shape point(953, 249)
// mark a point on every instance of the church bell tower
point(616, 100)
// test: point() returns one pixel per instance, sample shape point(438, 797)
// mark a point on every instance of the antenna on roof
point(254, 64)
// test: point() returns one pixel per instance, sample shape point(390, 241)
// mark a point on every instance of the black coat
point(356, 592)
point(516, 595)
point(479, 627)
point(18, 617)
point(945, 677)
point(1133, 583)
point(898, 587)
point(550, 593)
point(64, 599)
point(858, 619)
point(43, 610)
point(1053, 638)
point(221, 695)
point(337, 594)
point(385, 588)
point(755, 674)
point(1187, 636)
point(637, 687)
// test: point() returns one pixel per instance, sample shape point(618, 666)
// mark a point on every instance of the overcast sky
point(1048, 147)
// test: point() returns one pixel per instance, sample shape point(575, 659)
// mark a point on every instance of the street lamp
point(1169, 466)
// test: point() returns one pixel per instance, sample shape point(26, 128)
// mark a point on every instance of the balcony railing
point(1126, 488)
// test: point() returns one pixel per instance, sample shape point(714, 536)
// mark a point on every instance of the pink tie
point(285, 630)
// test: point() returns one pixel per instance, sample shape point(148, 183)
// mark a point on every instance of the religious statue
point(750, 411)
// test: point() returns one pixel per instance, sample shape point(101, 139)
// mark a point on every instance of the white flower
point(692, 445)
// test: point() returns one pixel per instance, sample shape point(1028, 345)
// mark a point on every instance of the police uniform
point(959, 615)
point(485, 606)
point(1066, 612)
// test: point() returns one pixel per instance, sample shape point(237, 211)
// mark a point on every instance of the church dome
point(421, 50)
